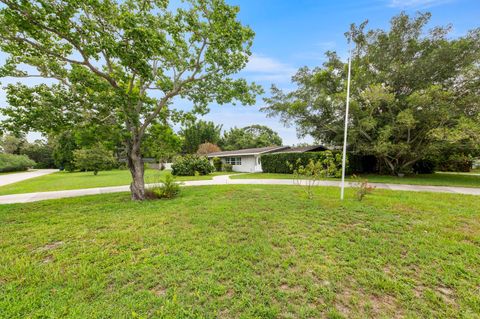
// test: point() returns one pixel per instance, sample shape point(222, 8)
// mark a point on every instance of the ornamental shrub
point(307, 176)
point(217, 163)
point(167, 188)
point(227, 167)
point(13, 163)
point(191, 165)
point(287, 163)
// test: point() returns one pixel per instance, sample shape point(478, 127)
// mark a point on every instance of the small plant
point(167, 188)
point(362, 187)
point(308, 175)
point(227, 167)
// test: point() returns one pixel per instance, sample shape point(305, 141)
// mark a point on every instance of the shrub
point(455, 163)
point(308, 175)
point(362, 187)
point(190, 165)
point(94, 159)
point(167, 188)
point(14, 163)
point(286, 163)
point(217, 163)
point(362, 164)
point(227, 167)
point(424, 167)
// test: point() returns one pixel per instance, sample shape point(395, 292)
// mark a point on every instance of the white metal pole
point(344, 154)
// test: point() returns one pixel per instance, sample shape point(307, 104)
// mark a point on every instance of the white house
point(249, 160)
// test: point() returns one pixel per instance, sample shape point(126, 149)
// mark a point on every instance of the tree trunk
point(390, 165)
point(135, 164)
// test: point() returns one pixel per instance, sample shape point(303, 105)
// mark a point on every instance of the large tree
point(121, 62)
point(161, 142)
point(196, 133)
point(250, 137)
point(413, 92)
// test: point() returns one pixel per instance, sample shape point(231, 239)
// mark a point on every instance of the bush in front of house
point(217, 163)
point(227, 167)
point(167, 188)
point(94, 159)
point(287, 163)
point(191, 165)
point(14, 163)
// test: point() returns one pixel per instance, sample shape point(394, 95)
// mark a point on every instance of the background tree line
point(415, 95)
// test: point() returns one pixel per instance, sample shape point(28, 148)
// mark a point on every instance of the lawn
point(438, 179)
point(242, 251)
point(78, 180)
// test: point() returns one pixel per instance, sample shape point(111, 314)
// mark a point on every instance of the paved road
point(224, 179)
point(18, 177)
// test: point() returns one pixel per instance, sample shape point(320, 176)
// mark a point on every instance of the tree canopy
point(250, 137)
point(161, 142)
point(207, 148)
point(413, 92)
point(199, 132)
point(121, 64)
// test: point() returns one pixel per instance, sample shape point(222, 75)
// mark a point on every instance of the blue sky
point(291, 34)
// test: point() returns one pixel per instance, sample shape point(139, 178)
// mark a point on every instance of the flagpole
point(344, 154)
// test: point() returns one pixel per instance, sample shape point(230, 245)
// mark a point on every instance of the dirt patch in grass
point(50, 246)
point(159, 291)
point(447, 294)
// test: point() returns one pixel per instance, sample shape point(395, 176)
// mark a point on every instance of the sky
point(295, 33)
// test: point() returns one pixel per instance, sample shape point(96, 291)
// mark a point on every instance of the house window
point(233, 160)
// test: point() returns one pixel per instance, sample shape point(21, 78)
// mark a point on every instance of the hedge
point(13, 163)
point(455, 163)
point(191, 165)
point(279, 162)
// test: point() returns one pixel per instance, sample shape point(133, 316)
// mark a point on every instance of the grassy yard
point(439, 179)
point(242, 251)
point(78, 180)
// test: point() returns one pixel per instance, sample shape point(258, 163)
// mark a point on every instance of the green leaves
point(411, 89)
point(131, 50)
point(121, 63)
point(250, 137)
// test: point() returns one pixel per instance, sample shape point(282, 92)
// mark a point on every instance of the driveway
point(6, 179)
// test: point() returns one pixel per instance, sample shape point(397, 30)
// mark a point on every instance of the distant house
point(248, 160)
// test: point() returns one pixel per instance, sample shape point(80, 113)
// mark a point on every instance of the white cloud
point(418, 4)
point(264, 68)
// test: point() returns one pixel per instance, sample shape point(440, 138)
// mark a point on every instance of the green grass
point(79, 180)
point(242, 251)
point(437, 179)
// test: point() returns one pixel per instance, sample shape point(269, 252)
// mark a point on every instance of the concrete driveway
point(6, 179)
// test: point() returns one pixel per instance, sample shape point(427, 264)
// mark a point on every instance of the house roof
point(303, 149)
point(248, 151)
